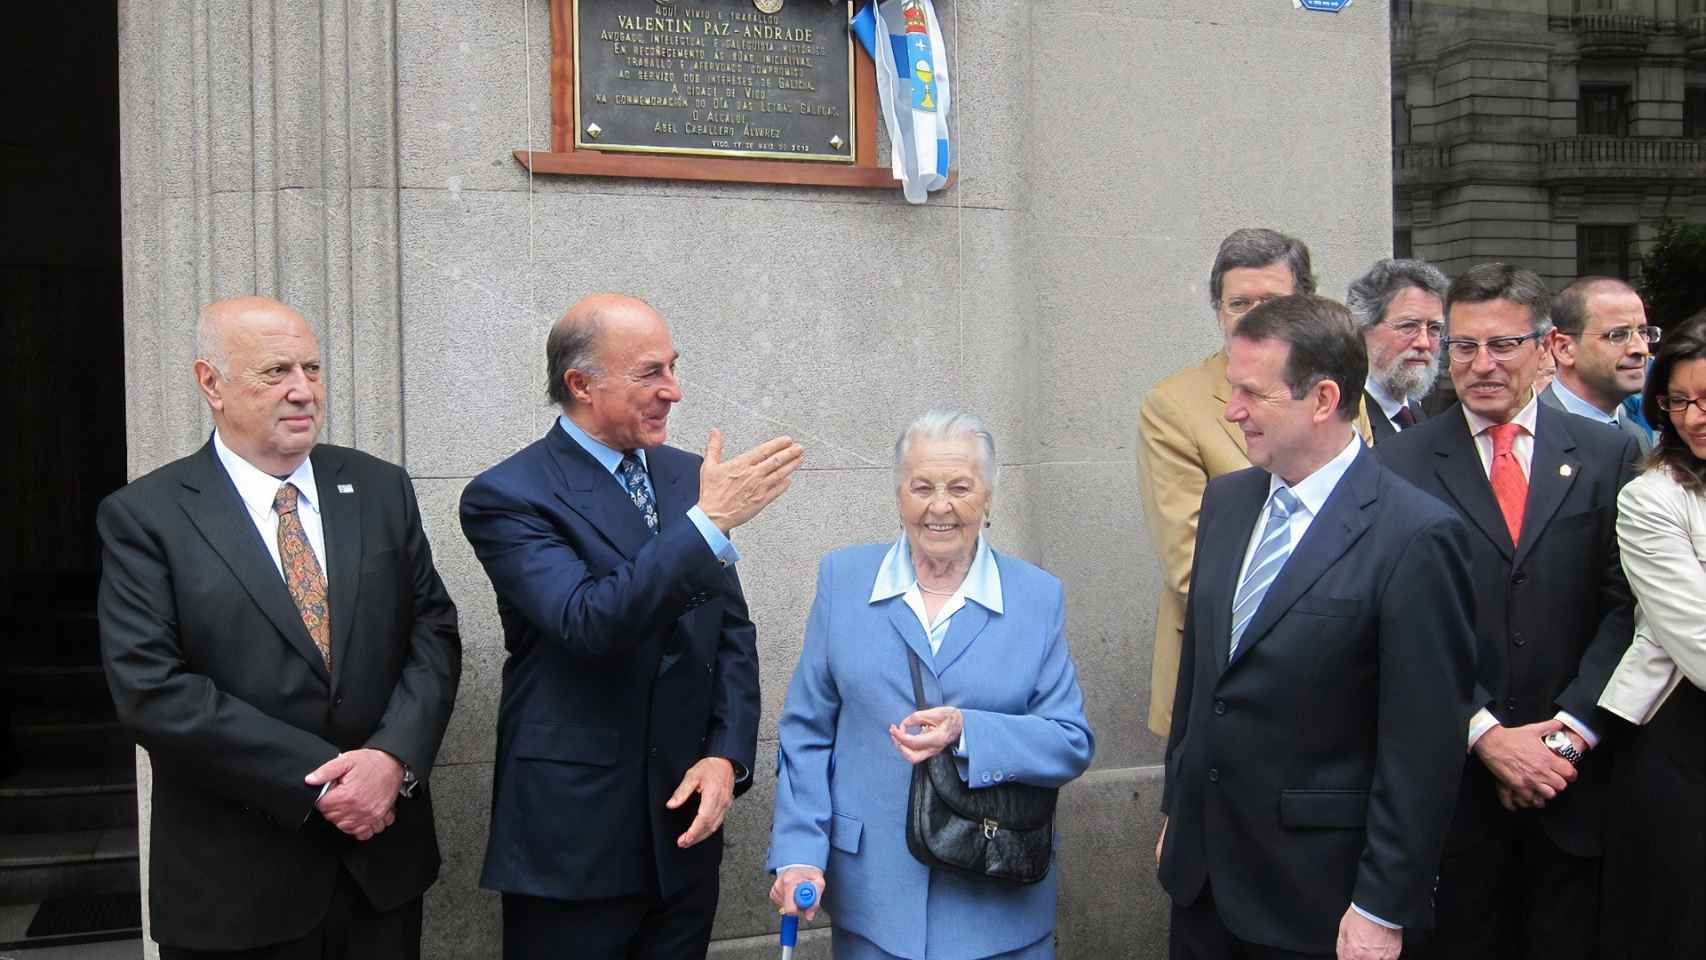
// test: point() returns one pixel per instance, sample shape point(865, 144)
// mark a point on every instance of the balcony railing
point(1416, 163)
point(1694, 36)
point(1622, 157)
point(1611, 32)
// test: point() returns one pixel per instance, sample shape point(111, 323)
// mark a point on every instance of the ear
point(210, 383)
point(1562, 347)
point(578, 384)
point(1327, 396)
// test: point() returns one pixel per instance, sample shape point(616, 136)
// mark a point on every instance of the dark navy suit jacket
point(631, 657)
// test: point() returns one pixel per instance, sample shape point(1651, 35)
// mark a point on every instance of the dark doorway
point(67, 781)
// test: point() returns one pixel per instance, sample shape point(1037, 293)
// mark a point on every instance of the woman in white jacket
point(1655, 847)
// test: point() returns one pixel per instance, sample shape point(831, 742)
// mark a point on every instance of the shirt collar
point(259, 488)
point(1580, 407)
point(608, 457)
point(1312, 491)
point(1524, 418)
point(982, 584)
point(1388, 406)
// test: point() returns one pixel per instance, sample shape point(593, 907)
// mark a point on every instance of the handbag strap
point(917, 677)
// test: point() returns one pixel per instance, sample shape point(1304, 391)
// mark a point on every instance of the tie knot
point(1504, 436)
point(284, 501)
point(1285, 502)
point(630, 464)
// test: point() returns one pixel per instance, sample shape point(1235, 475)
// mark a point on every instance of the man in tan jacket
point(1184, 441)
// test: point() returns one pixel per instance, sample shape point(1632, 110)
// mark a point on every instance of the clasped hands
point(1526, 772)
point(939, 729)
point(363, 792)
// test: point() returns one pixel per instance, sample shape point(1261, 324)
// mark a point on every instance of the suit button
point(1517, 639)
point(1220, 708)
point(998, 776)
point(1510, 704)
point(986, 778)
point(1213, 774)
point(1519, 579)
point(653, 751)
point(337, 701)
point(707, 668)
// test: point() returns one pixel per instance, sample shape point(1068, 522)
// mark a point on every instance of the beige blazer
point(1661, 535)
point(1183, 442)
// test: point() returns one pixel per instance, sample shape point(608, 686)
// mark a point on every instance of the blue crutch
point(804, 896)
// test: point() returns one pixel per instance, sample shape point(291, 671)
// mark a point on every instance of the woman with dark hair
point(1655, 845)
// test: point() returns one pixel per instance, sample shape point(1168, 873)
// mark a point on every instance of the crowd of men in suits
point(1350, 636)
point(1381, 707)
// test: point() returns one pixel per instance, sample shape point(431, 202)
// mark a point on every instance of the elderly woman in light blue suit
point(988, 629)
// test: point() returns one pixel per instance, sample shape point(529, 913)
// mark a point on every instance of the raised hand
point(731, 492)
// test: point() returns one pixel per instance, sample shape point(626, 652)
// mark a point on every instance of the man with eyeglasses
point(1602, 342)
point(1399, 305)
point(1520, 876)
point(1183, 442)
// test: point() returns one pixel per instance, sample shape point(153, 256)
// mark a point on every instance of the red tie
point(1510, 487)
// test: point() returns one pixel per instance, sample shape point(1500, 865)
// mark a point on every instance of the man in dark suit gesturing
point(630, 707)
point(275, 634)
point(1326, 671)
point(1538, 488)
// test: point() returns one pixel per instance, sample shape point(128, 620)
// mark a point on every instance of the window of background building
point(1602, 250)
point(1401, 245)
point(1694, 113)
point(1603, 111)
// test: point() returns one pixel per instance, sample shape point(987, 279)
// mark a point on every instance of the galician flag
point(912, 83)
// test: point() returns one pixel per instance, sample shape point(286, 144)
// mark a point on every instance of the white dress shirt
point(1522, 449)
point(1311, 492)
point(257, 489)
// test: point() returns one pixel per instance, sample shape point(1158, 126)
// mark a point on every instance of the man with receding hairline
point(629, 716)
point(1601, 341)
point(276, 636)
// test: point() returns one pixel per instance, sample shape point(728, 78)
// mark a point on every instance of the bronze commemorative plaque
point(726, 78)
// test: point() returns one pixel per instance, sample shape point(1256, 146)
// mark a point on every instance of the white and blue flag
point(905, 40)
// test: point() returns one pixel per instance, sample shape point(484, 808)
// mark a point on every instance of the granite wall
point(353, 158)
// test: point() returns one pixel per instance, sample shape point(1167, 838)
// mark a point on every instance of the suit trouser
point(1197, 933)
point(640, 927)
point(351, 930)
point(1514, 895)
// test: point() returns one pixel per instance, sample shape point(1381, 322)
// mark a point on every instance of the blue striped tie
point(1270, 556)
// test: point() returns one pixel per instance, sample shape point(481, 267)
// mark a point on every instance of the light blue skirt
point(851, 946)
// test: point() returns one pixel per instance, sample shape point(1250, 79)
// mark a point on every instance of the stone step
point(77, 744)
point(43, 800)
point(40, 866)
point(56, 683)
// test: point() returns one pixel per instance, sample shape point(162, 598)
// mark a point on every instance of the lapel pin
point(350, 487)
point(1564, 470)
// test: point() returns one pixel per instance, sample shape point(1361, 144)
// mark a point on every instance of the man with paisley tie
point(275, 634)
point(629, 715)
point(1538, 488)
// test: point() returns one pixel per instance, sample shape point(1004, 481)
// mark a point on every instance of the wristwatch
point(1559, 743)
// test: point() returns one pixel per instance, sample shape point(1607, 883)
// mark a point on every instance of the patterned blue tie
point(1270, 556)
point(634, 479)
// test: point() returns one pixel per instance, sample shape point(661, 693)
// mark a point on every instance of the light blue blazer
point(841, 786)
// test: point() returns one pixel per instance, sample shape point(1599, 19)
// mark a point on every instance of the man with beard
point(1601, 341)
point(1399, 305)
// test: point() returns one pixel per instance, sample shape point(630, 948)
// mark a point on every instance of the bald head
point(576, 341)
point(258, 367)
point(612, 369)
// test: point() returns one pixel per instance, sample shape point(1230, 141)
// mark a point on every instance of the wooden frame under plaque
point(564, 158)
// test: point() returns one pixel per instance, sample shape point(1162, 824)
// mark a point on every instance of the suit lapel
point(671, 494)
point(1340, 525)
point(340, 515)
point(1217, 580)
point(591, 491)
point(211, 502)
point(967, 624)
point(905, 623)
point(1378, 424)
point(1222, 392)
point(1552, 472)
point(1633, 430)
point(1458, 465)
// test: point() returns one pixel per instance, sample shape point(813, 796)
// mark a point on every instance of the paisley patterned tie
point(634, 479)
point(302, 572)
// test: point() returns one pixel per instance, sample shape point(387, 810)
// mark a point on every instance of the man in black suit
point(275, 635)
point(629, 717)
point(1554, 615)
point(1602, 342)
point(1326, 671)
point(1399, 305)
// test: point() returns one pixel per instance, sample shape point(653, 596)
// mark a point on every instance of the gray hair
point(1371, 294)
point(572, 345)
point(948, 425)
point(210, 341)
point(1256, 247)
point(1501, 281)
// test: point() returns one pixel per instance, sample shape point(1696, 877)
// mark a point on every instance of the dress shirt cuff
point(798, 866)
point(1480, 723)
point(714, 538)
point(1371, 918)
point(742, 774)
point(960, 748)
point(407, 787)
point(1581, 729)
point(317, 798)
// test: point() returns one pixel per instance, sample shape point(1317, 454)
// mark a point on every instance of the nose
point(1427, 339)
point(297, 387)
point(671, 389)
point(1483, 362)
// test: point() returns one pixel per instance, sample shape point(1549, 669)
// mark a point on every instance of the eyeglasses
point(1408, 329)
point(1678, 404)
point(1499, 348)
point(1238, 306)
point(1618, 336)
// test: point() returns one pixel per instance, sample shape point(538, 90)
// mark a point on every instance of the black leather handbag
point(1003, 832)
